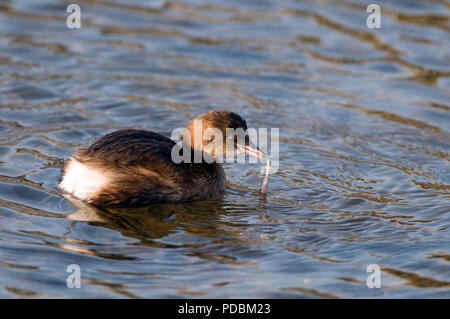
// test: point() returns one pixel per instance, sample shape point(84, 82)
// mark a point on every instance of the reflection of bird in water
point(153, 221)
point(130, 168)
point(150, 223)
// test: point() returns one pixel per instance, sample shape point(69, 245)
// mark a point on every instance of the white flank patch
point(83, 181)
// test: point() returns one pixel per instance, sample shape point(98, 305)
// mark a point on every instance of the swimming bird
point(133, 168)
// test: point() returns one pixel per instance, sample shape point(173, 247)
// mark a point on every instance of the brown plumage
point(130, 168)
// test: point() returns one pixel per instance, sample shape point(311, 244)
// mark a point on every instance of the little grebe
point(131, 168)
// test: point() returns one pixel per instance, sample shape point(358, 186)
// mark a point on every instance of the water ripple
point(364, 147)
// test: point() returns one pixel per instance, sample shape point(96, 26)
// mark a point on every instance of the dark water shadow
point(153, 222)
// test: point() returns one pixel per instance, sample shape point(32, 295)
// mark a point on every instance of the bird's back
point(135, 168)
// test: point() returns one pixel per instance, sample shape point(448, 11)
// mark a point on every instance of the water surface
point(364, 120)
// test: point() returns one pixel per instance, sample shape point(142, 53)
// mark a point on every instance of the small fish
point(265, 179)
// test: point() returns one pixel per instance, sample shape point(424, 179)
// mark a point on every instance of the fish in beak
point(252, 150)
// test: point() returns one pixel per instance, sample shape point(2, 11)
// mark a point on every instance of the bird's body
point(130, 168)
point(134, 168)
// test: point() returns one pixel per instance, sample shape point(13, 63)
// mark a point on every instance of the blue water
point(364, 121)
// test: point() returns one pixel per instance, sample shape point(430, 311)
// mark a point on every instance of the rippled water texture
point(364, 147)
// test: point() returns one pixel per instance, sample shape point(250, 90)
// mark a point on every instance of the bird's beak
point(251, 149)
